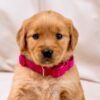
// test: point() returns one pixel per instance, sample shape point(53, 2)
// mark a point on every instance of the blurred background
point(85, 15)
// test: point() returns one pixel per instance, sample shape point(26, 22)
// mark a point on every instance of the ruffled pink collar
point(55, 72)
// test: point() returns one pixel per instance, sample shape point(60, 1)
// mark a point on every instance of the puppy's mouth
point(47, 61)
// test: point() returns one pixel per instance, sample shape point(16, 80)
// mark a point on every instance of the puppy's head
point(47, 38)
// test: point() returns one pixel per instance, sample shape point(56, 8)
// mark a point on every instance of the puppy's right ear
point(21, 39)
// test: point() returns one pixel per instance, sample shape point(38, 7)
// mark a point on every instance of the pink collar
point(55, 72)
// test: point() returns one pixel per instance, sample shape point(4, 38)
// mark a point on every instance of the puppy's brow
point(29, 35)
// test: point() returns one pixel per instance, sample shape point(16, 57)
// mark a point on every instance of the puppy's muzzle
point(47, 53)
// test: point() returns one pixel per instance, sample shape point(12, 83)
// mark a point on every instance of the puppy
point(47, 42)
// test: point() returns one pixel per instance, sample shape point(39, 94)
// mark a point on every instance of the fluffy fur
point(29, 85)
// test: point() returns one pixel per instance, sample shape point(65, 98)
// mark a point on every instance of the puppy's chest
point(49, 88)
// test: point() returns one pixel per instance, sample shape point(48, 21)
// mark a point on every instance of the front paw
point(64, 95)
point(23, 94)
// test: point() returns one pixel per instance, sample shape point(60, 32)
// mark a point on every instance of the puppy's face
point(47, 38)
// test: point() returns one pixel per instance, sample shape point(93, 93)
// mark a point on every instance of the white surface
point(5, 85)
point(92, 90)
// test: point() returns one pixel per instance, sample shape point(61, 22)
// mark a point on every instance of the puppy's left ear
point(73, 36)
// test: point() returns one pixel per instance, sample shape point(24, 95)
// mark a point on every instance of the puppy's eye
point(59, 36)
point(36, 36)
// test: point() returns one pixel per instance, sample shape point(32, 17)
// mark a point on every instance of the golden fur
point(29, 85)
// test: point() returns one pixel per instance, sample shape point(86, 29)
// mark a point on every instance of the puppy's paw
point(23, 95)
point(64, 95)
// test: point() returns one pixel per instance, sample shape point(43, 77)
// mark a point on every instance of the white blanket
point(12, 14)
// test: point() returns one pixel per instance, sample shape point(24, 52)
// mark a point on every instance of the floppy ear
point(73, 36)
point(21, 39)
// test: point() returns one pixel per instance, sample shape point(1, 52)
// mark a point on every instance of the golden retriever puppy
point(47, 70)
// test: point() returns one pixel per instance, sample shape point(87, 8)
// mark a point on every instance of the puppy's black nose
point(47, 52)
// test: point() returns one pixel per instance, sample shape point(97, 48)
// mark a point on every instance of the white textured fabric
point(12, 14)
point(85, 15)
